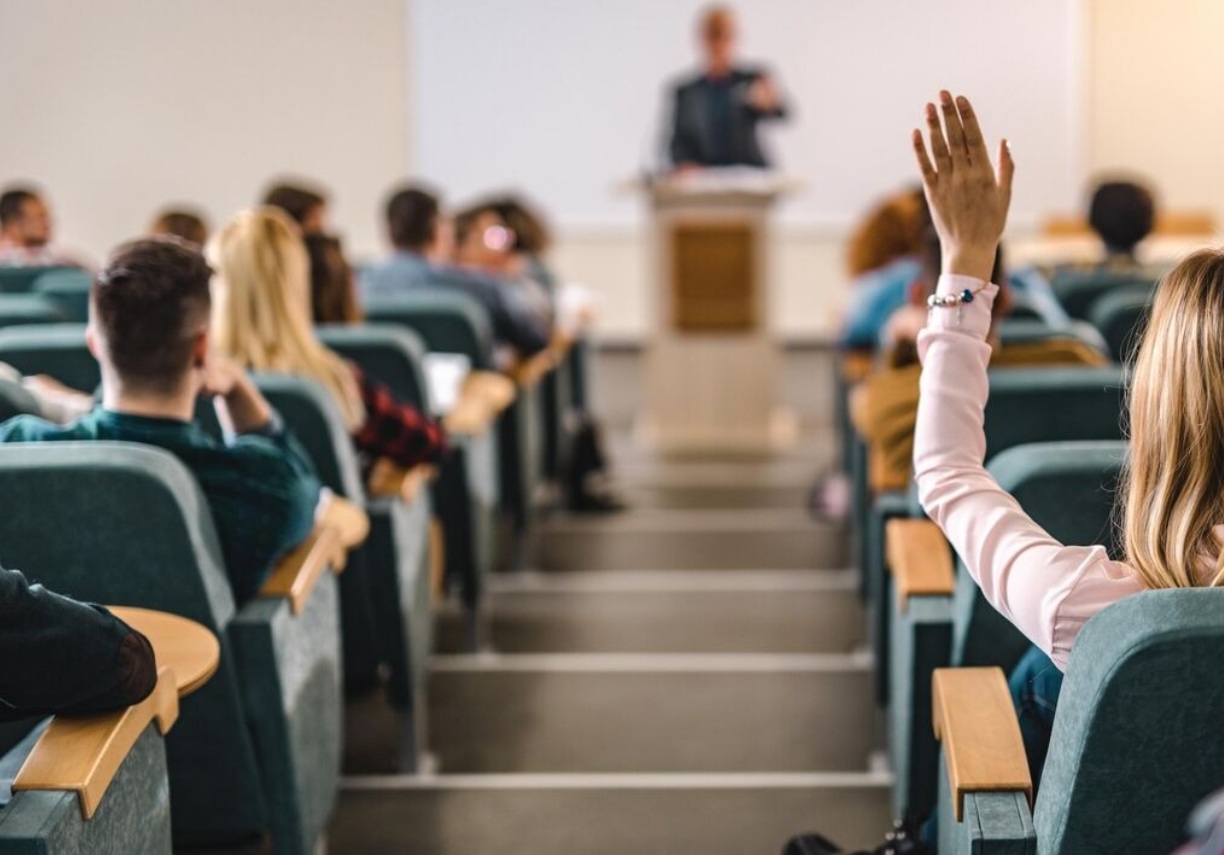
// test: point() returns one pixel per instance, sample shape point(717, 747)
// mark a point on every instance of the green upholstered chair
point(1078, 290)
point(15, 401)
point(256, 751)
point(57, 350)
point(17, 280)
point(455, 323)
point(465, 494)
point(1026, 405)
point(1121, 316)
point(19, 309)
point(133, 815)
point(1136, 741)
point(67, 289)
point(1068, 489)
point(385, 592)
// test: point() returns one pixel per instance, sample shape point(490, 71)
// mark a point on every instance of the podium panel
point(713, 277)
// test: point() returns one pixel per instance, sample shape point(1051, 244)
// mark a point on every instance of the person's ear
point(199, 350)
point(91, 341)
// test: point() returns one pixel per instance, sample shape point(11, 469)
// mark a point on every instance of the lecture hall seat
point(19, 280)
point(22, 309)
point(387, 617)
point(68, 290)
point(99, 783)
point(466, 492)
point(256, 752)
point(57, 350)
point(1121, 317)
point(939, 616)
point(454, 323)
point(1078, 290)
point(1136, 742)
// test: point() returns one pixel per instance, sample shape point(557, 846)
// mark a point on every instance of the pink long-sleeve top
point(1046, 589)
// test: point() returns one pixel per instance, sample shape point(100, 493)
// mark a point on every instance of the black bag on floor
point(809, 844)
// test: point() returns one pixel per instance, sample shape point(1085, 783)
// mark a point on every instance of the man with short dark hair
point(148, 328)
point(423, 239)
point(1122, 213)
point(26, 231)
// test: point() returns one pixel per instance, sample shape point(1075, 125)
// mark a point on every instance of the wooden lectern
point(711, 366)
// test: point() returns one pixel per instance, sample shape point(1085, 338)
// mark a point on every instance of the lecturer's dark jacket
point(712, 123)
point(61, 656)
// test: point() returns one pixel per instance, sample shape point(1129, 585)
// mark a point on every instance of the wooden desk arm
point(920, 559)
point(976, 722)
point(484, 396)
point(390, 481)
point(349, 519)
point(295, 575)
point(82, 754)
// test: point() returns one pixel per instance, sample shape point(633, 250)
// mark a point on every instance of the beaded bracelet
point(956, 301)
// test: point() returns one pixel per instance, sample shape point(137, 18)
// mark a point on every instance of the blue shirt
point(260, 486)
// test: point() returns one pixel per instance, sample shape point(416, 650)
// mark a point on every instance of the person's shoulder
point(685, 82)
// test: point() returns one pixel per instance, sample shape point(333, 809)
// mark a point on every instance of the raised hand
point(967, 196)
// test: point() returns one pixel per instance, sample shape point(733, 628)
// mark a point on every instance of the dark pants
point(1035, 685)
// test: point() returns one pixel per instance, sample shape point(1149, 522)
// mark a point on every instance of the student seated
point(262, 320)
point(306, 205)
point(892, 230)
point(884, 407)
point(333, 289)
point(26, 230)
point(424, 251)
point(1122, 213)
point(485, 244)
point(149, 329)
point(183, 224)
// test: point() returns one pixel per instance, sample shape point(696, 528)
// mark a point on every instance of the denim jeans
point(1035, 685)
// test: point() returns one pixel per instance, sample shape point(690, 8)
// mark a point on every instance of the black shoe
point(596, 503)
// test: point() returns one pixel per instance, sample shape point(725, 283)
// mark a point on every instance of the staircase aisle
point(685, 677)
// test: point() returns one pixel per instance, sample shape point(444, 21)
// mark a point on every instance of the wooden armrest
point(390, 481)
point(188, 649)
point(919, 558)
point(484, 396)
point(976, 721)
point(296, 575)
point(82, 754)
point(349, 519)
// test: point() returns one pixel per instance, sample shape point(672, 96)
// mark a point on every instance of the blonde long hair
point(1173, 488)
point(261, 306)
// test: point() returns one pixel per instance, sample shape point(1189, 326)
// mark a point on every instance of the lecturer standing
point(715, 115)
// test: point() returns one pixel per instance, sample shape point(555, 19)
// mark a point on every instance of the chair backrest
point(388, 353)
point(58, 350)
point(448, 321)
point(68, 289)
point(16, 280)
point(1068, 488)
point(1136, 741)
point(1077, 290)
point(1053, 405)
point(1121, 316)
point(141, 534)
point(1026, 331)
point(19, 309)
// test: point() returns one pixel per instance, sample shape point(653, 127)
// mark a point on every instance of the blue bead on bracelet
point(948, 301)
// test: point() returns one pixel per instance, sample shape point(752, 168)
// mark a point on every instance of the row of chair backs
point(57, 350)
point(1069, 489)
point(446, 321)
point(1121, 315)
point(391, 354)
point(1052, 404)
point(1078, 290)
point(20, 280)
point(1136, 742)
point(21, 309)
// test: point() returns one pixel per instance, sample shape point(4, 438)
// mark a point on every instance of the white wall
point(121, 106)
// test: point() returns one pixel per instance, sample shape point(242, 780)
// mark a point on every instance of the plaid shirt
point(395, 430)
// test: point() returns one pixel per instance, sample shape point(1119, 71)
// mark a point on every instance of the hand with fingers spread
point(967, 196)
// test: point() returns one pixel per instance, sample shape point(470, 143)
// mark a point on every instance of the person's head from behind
point(149, 318)
point(25, 219)
point(180, 223)
point(261, 314)
point(1173, 491)
point(900, 336)
point(716, 33)
point(483, 239)
point(306, 205)
point(332, 296)
point(893, 229)
point(531, 234)
point(1122, 213)
point(415, 223)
